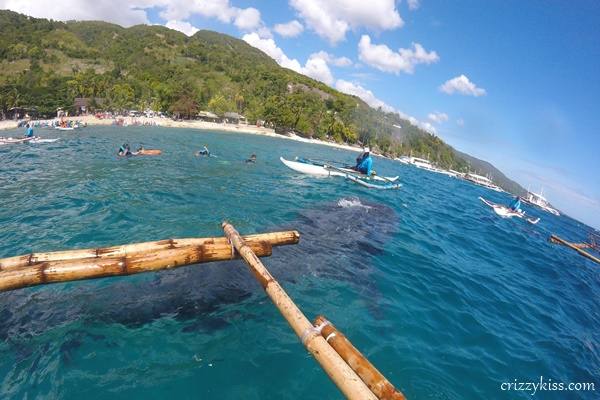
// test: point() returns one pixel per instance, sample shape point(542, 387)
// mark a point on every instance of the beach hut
point(235, 118)
point(208, 116)
point(83, 105)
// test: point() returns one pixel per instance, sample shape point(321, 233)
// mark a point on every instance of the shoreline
point(91, 120)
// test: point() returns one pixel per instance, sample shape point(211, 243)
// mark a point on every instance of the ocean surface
point(446, 298)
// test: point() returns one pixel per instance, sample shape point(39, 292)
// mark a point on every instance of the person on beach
point(516, 204)
point(364, 163)
point(203, 152)
point(124, 150)
point(252, 159)
point(29, 132)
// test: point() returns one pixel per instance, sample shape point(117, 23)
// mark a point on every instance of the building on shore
point(235, 118)
point(208, 116)
point(20, 113)
point(84, 105)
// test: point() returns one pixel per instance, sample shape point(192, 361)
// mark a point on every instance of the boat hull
point(506, 212)
point(322, 170)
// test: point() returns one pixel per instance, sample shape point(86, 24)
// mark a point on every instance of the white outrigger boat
point(506, 212)
point(311, 167)
point(34, 139)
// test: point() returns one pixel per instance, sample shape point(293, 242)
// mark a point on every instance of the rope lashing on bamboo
point(374, 379)
point(312, 331)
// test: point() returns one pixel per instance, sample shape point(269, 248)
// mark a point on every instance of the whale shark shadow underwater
point(337, 241)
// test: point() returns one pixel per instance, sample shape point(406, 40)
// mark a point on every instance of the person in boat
point(203, 152)
point(29, 132)
point(124, 150)
point(252, 159)
point(516, 204)
point(364, 163)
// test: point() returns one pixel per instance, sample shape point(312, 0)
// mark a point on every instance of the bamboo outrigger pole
point(156, 257)
point(556, 239)
point(374, 379)
point(340, 373)
point(275, 238)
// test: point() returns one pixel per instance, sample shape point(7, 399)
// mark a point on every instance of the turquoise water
point(446, 299)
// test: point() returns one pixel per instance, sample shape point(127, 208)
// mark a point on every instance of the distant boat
point(482, 181)
point(540, 201)
point(425, 164)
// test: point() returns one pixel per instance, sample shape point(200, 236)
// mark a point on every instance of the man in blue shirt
point(364, 163)
point(29, 133)
point(516, 204)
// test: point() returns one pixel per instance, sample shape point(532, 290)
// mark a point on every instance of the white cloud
point(331, 59)
point(290, 29)
point(270, 48)
point(438, 117)
point(182, 26)
point(462, 85)
point(365, 94)
point(62, 10)
point(385, 59)
point(368, 97)
point(119, 12)
point(426, 126)
point(318, 69)
point(331, 19)
point(460, 122)
point(413, 4)
point(315, 67)
point(248, 19)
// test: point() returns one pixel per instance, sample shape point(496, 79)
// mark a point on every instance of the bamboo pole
point(91, 268)
point(556, 239)
point(379, 385)
point(275, 238)
point(337, 369)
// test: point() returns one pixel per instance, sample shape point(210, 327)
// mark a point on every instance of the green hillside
point(46, 64)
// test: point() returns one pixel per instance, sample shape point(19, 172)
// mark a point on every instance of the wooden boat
point(149, 152)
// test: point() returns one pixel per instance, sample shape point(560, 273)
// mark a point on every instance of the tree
point(219, 105)
point(121, 96)
point(239, 103)
point(186, 106)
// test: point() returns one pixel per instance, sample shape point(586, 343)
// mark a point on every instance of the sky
point(516, 83)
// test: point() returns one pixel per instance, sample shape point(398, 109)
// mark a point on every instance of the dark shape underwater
point(336, 242)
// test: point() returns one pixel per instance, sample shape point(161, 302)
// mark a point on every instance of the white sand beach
point(91, 120)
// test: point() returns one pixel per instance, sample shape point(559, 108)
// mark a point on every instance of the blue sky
point(522, 77)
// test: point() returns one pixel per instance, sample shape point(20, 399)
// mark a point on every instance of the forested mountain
point(46, 64)
point(485, 168)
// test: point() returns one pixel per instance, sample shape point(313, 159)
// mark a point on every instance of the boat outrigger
point(347, 367)
point(506, 212)
point(33, 139)
point(312, 167)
